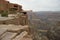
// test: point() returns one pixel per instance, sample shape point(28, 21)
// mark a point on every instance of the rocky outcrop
point(14, 32)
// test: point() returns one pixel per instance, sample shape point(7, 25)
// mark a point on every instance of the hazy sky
point(39, 5)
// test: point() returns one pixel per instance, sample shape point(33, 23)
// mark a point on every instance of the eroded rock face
point(14, 32)
point(54, 33)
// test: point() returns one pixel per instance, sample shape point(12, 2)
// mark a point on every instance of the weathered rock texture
point(14, 32)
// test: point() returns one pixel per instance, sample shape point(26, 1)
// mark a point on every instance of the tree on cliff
point(4, 13)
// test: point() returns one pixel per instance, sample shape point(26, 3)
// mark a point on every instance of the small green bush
point(4, 14)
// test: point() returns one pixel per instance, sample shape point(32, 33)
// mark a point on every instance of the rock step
point(8, 36)
point(21, 35)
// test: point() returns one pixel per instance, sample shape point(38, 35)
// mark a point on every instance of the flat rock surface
point(2, 31)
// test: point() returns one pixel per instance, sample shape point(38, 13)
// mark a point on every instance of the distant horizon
point(47, 11)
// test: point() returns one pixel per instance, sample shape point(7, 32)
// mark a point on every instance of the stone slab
point(2, 31)
point(19, 37)
point(8, 36)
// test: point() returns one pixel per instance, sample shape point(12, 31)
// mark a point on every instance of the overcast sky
point(39, 5)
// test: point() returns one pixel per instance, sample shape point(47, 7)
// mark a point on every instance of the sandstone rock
point(14, 28)
point(2, 31)
point(20, 37)
point(8, 36)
